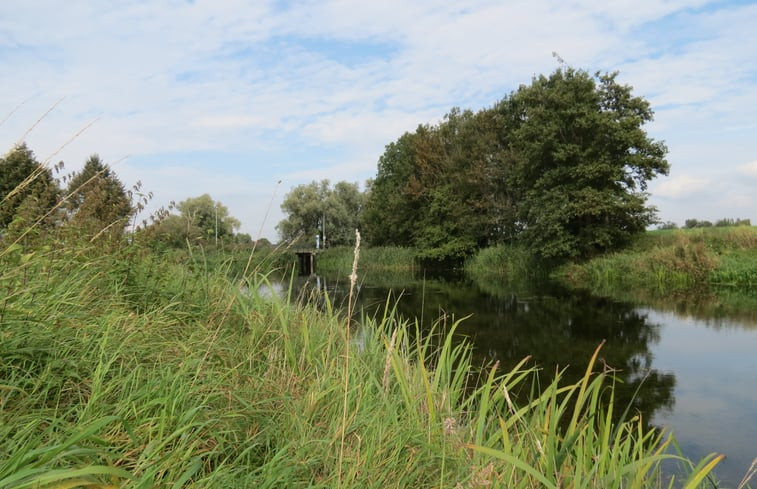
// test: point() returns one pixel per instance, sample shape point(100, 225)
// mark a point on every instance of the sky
point(245, 100)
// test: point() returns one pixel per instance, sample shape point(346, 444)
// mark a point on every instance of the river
point(689, 364)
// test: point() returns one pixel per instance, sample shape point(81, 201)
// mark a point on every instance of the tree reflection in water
point(557, 329)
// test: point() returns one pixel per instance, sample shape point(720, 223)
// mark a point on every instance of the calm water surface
point(693, 363)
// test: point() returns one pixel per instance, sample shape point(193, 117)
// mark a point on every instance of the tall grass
point(672, 261)
point(508, 263)
point(380, 258)
point(126, 369)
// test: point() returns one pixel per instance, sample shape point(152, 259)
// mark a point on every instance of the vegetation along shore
point(151, 352)
point(125, 369)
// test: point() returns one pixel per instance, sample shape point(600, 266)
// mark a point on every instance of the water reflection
point(716, 391)
point(717, 308)
point(687, 362)
point(557, 330)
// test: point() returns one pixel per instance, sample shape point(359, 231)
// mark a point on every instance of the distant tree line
point(696, 223)
point(560, 166)
point(93, 204)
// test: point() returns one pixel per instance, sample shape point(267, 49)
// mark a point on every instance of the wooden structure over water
point(306, 260)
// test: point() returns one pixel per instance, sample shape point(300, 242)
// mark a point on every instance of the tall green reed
point(127, 369)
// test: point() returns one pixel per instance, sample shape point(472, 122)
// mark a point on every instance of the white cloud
point(681, 186)
point(749, 169)
point(337, 80)
point(738, 201)
point(230, 121)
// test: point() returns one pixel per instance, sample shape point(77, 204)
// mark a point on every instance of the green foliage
point(737, 269)
point(201, 221)
point(209, 216)
point(504, 263)
point(561, 166)
point(318, 207)
point(695, 223)
point(442, 189)
point(669, 261)
point(27, 190)
point(339, 260)
point(97, 200)
point(136, 369)
point(391, 210)
point(668, 225)
point(725, 222)
point(175, 231)
point(583, 162)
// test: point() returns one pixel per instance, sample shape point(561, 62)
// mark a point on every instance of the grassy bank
point(667, 261)
point(512, 265)
point(380, 258)
point(129, 369)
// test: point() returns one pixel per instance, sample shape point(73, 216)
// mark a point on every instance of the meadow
point(122, 366)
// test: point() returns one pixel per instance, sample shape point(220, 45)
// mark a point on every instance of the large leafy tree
point(317, 207)
point(560, 165)
point(97, 199)
point(201, 220)
point(210, 217)
point(582, 162)
point(27, 189)
point(442, 189)
point(392, 207)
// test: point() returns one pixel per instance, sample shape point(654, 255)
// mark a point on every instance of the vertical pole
point(216, 208)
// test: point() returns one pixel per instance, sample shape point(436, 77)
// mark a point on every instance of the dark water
point(688, 364)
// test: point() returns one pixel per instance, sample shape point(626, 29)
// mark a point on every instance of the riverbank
point(711, 262)
point(666, 262)
point(128, 369)
point(378, 258)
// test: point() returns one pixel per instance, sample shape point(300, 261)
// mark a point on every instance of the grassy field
point(132, 368)
point(668, 261)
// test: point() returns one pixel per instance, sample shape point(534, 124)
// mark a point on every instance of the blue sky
point(230, 97)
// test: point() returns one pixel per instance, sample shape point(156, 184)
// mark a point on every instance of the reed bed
point(126, 369)
point(505, 263)
point(381, 258)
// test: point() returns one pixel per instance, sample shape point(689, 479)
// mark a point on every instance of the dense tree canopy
point(582, 162)
point(442, 189)
point(560, 165)
point(201, 219)
point(95, 204)
point(317, 208)
point(27, 189)
point(97, 199)
point(211, 217)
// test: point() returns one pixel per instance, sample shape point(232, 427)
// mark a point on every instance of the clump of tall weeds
point(685, 264)
point(665, 262)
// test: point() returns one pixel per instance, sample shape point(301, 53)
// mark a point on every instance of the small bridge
point(306, 260)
